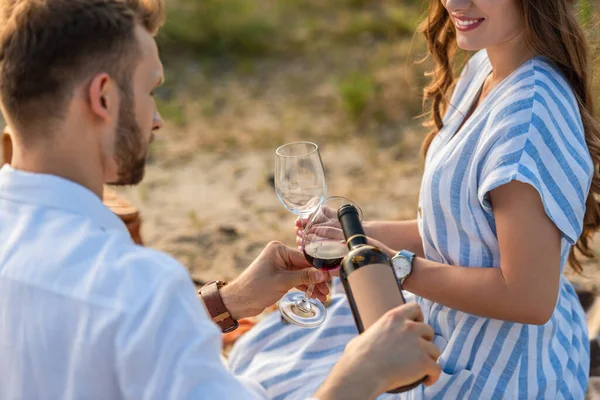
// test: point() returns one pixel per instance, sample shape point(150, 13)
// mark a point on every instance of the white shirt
point(87, 314)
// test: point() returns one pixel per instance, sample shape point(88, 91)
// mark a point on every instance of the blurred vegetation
point(585, 9)
point(253, 74)
point(356, 92)
point(242, 28)
point(212, 27)
point(589, 14)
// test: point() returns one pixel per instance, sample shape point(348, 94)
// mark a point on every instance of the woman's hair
point(553, 31)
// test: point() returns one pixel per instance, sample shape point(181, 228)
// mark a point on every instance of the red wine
point(325, 254)
point(368, 277)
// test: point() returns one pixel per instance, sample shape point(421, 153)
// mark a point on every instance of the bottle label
point(375, 291)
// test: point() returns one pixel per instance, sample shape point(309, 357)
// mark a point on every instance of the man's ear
point(102, 104)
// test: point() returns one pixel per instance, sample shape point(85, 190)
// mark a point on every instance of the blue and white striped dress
point(527, 129)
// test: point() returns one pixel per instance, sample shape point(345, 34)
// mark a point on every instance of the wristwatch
point(215, 306)
point(403, 263)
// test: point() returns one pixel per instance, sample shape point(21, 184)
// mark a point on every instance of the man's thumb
point(311, 276)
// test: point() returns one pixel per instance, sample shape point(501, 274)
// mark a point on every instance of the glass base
point(299, 313)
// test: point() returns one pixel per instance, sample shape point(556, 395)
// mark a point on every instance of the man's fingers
point(310, 276)
point(410, 311)
point(433, 370)
point(422, 330)
point(302, 288)
point(317, 292)
point(432, 350)
point(321, 297)
point(323, 288)
point(295, 259)
point(425, 331)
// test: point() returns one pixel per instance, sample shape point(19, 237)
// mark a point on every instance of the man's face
point(138, 117)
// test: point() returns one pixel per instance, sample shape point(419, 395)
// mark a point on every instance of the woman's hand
point(334, 231)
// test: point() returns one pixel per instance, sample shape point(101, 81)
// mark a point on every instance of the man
point(86, 314)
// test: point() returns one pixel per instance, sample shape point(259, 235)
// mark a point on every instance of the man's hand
point(396, 351)
point(276, 270)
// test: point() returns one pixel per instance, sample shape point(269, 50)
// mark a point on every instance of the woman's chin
point(467, 44)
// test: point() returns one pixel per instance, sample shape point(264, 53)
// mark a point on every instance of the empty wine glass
point(299, 177)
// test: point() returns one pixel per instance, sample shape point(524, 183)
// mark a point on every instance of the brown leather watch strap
point(214, 304)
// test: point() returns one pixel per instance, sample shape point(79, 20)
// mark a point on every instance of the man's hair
point(47, 47)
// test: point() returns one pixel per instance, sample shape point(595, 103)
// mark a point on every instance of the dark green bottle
point(368, 277)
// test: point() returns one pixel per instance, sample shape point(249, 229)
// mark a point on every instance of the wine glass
point(301, 186)
point(324, 247)
point(299, 177)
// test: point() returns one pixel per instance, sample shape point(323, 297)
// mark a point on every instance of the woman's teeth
point(468, 22)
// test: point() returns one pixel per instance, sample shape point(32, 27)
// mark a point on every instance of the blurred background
point(242, 78)
point(245, 76)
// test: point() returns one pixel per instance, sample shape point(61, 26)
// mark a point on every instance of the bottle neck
point(352, 226)
point(356, 241)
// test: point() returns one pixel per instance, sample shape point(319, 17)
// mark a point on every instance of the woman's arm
point(402, 235)
point(525, 287)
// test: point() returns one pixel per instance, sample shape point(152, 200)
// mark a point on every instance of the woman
point(508, 190)
point(505, 197)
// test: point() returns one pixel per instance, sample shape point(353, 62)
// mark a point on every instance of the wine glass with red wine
point(324, 247)
point(323, 241)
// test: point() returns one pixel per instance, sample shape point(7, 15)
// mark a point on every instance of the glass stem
point(309, 292)
point(304, 303)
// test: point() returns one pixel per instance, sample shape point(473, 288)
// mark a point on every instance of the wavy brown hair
point(552, 30)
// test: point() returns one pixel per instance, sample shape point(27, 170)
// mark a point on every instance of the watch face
point(401, 266)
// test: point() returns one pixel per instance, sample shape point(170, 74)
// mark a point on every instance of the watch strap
point(216, 308)
point(407, 254)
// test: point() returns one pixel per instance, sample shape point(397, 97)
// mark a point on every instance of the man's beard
point(129, 153)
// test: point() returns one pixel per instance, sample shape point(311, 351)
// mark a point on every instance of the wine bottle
point(368, 277)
